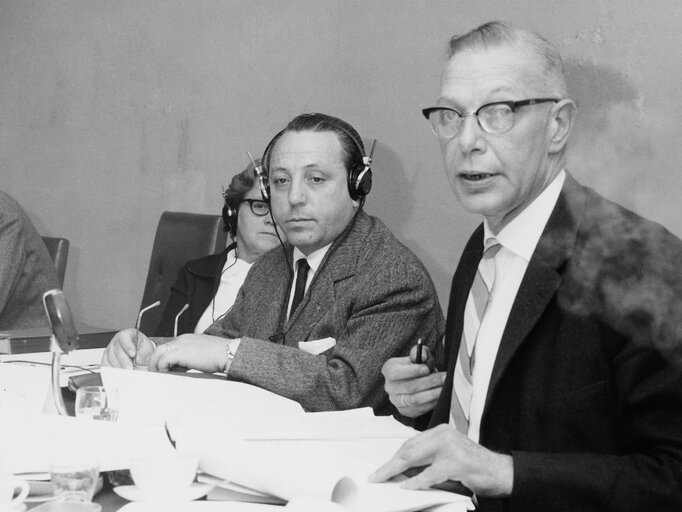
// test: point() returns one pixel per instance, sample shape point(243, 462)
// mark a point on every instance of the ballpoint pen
point(419, 351)
point(137, 324)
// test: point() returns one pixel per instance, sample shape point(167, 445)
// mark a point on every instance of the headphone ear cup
point(360, 183)
point(230, 219)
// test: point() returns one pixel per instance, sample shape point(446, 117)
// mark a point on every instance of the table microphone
point(64, 339)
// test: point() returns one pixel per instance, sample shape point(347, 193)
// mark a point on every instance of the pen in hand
point(419, 351)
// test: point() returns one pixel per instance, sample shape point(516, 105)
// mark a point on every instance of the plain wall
point(114, 111)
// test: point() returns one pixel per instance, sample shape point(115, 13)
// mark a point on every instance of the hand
point(450, 455)
point(198, 351)
point(122, 353)
point(411, 387)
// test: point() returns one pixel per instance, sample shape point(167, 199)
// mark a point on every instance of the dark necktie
point(299, 290)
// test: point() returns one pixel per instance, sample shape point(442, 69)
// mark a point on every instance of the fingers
point(410, 454)
point(432, 475)
point(426, 354)
point(163, 358)
point(415, 405)
point(401, 368)
point(121, 350)
point(415, 385)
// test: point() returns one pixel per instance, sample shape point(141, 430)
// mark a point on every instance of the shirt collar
point(314, 258)
point(522, 234)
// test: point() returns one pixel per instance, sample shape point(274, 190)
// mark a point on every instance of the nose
point(470, 136)
point(297, 192)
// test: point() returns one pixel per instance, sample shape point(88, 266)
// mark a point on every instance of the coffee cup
point(13, 491)
point(163, 474)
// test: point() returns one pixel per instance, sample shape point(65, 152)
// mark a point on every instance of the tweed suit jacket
point(371, 294)
point(196, 285)
point(26, 269)
point(586, 390)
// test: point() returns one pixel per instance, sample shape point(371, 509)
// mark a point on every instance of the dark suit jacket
point(26, 269)
point(371, 294)
point(586, 390)
point(197, 284)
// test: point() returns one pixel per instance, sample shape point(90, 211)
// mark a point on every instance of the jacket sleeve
point(12, 255)
point(383, 316)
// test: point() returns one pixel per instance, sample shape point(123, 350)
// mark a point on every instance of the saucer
point(134, 493)
point(19, 507)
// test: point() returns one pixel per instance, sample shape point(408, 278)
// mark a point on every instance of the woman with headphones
point(210, 284)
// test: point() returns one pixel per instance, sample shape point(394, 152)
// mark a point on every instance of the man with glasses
point(314, 320)
point(561, 388)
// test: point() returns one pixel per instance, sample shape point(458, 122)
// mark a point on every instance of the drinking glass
point(74, 466)
point(97, 402)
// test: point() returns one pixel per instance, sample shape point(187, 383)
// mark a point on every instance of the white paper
point(150, 397)
point(198, 506)
point(307, 469)
point(26, 440)
point(316, 347)
point(76, 362)
point(333, 425)
point(23, 388)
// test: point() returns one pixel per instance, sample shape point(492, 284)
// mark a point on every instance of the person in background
point(315, 319)
point(209, 285)
point(562, 388)
point(26, 269)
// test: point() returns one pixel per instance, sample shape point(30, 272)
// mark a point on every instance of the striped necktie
point(477, 302)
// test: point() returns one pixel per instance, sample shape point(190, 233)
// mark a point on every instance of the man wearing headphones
point(316, 318)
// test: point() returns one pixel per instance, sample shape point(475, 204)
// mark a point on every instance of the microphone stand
point(64, 339)
point(56, 389)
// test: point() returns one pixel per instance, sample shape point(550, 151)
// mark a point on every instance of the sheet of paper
point(148, 397)
point(334, 425)
point(23, 388)
point(26, 440)
point(76, 362)
point(198, 506)
point(306, 469)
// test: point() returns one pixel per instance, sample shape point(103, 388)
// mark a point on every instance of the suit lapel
point(339, 263)
point(459, 290)
point(542, 278)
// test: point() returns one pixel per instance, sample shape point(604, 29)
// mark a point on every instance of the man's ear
point(561, 123)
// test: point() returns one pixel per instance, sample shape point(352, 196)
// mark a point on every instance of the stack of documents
point(261, 447)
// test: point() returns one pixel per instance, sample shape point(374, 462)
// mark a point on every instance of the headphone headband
point(359, 178)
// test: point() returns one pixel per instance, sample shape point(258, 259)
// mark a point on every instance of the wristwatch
point(232, 346)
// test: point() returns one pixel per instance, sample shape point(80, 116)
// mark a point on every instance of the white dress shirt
point(314, 261)
point(231, 280)
point(518, 240)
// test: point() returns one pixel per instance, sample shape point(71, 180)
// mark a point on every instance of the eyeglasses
point(495, 117)
point(258, 207)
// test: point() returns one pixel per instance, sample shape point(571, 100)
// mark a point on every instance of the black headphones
point(359, 176)
point(230, 215)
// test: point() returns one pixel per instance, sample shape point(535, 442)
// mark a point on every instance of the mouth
point(475, 176)
point(298, 220)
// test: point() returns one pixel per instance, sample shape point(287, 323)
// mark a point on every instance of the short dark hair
point(239, 186)
point(352, 147)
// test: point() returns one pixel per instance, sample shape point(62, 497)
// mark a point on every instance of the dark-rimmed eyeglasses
point(258, 206)
point(496, 117)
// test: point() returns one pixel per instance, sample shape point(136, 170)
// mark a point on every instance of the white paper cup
point(164, 474)
point(13, 491)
